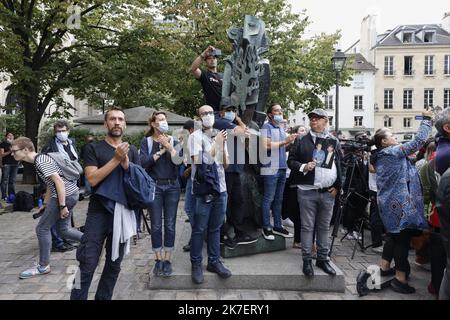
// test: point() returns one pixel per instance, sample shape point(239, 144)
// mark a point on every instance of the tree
point(44, 51)
point(301, 69)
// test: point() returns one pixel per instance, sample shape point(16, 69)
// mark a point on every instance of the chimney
point(368, 37)
point(446, 22)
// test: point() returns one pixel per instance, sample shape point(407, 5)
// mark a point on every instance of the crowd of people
point(308, 175)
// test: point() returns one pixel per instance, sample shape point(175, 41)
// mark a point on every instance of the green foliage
point(14, 123)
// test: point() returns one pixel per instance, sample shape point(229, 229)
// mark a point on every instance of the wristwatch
point(62, 207)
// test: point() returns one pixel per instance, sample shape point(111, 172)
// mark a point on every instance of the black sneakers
point(268, 234)
point(219, 268)
point(282, 232)
point(401, 287)
point(229, 243)
point(245, 239)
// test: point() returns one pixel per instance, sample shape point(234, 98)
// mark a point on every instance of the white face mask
point(163, 126)
point(62, 136)
point(208, 121)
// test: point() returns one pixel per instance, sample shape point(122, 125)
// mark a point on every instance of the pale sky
point(330, 15)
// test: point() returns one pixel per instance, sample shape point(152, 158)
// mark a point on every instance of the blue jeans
point(209, 217)
point(273, 198)
point(98, 227)
point(9, 173)
point(166, 199)
point(189, 202)
point(57, 242)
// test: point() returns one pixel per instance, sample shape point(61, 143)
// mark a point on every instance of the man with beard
point(101, 159)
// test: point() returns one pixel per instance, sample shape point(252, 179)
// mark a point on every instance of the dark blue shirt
point(163, 168)
point(443, 155)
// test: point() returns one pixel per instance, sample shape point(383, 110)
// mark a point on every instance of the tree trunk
point(32, 119)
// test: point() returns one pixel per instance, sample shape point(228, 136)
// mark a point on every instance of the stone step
point(277, 270)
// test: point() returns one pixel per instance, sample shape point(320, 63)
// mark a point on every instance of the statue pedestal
point(260, 246)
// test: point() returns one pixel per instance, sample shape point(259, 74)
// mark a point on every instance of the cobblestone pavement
point(19, 250)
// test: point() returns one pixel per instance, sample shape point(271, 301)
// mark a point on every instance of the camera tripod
point(343, 200)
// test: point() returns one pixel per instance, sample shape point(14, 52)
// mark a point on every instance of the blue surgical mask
point(62, 136)
point(278, 118)
point(163, 126)
point(230, 115)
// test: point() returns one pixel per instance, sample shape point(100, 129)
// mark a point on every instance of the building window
point(407, 122)
point(358, 102)
point(428, 37)
point(428, 97)
point(407, 98)
point(389, 66)
point(408, 70)
point(407, 37)
point(388, 98)
point(358, 121)
point(429, 65)
point(388, 122)
point(446, 98)
point(330, 121)
point(328, 102)
point(447, 64)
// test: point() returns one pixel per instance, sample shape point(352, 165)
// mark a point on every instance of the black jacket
point(302, 153)
point(52, 147)
point(443, 208)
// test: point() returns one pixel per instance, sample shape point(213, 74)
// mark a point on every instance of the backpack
point(24, 201)
point(71, 169)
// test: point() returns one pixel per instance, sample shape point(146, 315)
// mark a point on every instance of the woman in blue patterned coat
point(400, 199)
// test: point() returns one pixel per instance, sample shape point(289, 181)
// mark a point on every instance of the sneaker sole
point(282, 234)
point(270, 238)
point(247, 242)
point(32, 276)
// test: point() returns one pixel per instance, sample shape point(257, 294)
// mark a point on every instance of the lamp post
point(338, 60)
point(103, 95)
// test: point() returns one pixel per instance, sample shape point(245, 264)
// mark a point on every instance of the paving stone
point(313, 296)
point(229, 296)
point(53, 296)
point(250, 295)
point(270, 295)
point(186, 295)
point(8, 296)
point(28, 296)
point(207, 295)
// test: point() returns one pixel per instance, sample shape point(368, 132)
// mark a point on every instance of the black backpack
point(24, 201)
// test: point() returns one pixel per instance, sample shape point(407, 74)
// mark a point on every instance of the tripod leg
point(361, 225)
point(146, 223)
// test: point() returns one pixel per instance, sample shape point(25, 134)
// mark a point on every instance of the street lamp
point(338, 59)
point(103, 95)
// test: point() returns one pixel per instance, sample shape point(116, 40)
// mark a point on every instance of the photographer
point(355, 184)
point(400, 199)
point(211, 80)
point(210, 156)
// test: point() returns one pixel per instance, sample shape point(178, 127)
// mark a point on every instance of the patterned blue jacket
point(400, 198)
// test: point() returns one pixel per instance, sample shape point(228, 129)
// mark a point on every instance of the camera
point(216, 52)
point(359, 144)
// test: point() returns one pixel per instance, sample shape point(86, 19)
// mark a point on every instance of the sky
point(330, 15)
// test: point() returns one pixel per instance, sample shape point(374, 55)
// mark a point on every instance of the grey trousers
point(316, 210)
point(48, 219)
point(444, 292)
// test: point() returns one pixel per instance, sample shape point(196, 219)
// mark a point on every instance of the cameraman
point(211, 80)
point(355, 185)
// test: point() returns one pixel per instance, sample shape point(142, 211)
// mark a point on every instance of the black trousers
point(291, 210)
point(438, 259)
point(354, 210)
point(235, 214)
point(397, 246)
point(376, 224)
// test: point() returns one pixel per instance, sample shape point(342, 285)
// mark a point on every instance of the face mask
point(62, 136)
point(9, 140)
point(208, 121)
point(278, 118)
point(230, 115)
point(163, 126)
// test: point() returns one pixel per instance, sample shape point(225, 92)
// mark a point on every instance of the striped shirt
point(46, 167)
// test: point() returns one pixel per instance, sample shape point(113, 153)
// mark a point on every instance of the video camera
point(360, 144)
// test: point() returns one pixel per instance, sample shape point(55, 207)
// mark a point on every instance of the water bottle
point(40, 203)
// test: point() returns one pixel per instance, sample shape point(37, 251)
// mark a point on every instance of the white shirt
point(196, 139)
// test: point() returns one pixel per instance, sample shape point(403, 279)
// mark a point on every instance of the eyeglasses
point(13, 151)
point(315, 118)
point(207, 113)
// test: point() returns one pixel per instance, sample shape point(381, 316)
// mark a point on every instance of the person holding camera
point(156, 152)
point(209, 156)
point(400, 199)
point(317, 189)
point(61, 198)
point(211, 80)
